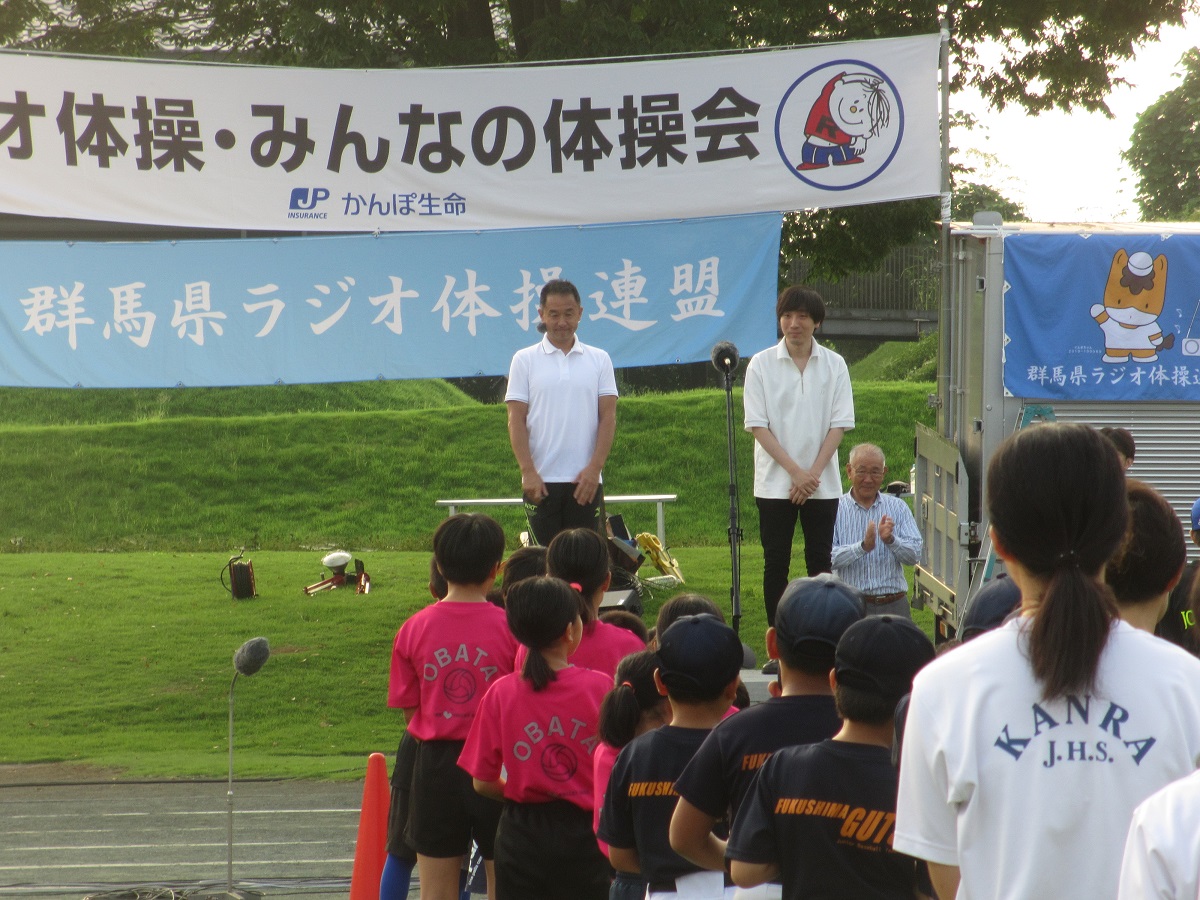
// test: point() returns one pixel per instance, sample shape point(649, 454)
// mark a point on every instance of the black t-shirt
point(641, 798)
point(719, 775)
point(1174, 625)
point(826, 813)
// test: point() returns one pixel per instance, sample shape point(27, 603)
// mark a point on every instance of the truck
point(1092, 323)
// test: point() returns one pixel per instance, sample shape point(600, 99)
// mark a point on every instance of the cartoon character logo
point(1133, 301)
point(851, 109)
point(839, 125)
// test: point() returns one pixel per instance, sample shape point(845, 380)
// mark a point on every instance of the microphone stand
point(229, 794)
point(245, 662)
point(735, 529)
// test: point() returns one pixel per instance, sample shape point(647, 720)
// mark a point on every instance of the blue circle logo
point(839, 125)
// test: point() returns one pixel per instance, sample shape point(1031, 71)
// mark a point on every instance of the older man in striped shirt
point(875, 536)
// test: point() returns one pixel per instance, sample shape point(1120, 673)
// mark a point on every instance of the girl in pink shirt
point(579, 556)
point(531, 745)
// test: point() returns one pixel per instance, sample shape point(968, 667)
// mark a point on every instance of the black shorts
point(444, 811)
point(548, 851)
point(402, 773)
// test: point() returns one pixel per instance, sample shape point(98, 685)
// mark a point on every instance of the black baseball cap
point(818, 609)
point(989, 608)
point(699, 653)
point(881, 654)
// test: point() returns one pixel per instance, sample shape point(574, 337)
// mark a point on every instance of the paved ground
point(88, 839)
point(69, 833)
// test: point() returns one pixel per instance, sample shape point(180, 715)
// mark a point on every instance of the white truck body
point(976, 411)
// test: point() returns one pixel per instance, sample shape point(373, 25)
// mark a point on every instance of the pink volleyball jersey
point(600, 649)
point(603, 646)
point(543, 740)
point(444, 659)
point(603, 761)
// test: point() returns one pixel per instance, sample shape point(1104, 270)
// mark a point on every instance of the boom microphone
point(251, 656)
point(725, 357)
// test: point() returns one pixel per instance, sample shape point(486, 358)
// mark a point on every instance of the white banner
point(437, 149)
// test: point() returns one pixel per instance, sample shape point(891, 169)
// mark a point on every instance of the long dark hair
point(580, 556)
point(634, 694)
point(539, 609)
point(1056, 500)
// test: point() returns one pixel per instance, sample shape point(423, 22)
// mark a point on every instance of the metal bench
point(657, 499)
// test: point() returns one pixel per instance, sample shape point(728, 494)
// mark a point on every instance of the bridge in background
point(898, 302)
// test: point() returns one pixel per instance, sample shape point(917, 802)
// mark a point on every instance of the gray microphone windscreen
point(251, 656)
point(725, 357)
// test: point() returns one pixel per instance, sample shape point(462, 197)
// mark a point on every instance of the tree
point(1051, 52)
point(1164, 150)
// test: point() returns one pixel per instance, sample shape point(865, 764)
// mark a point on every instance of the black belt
point(884, 599)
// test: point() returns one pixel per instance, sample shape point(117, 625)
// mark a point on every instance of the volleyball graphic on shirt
point(459, 685)
point(559, 762)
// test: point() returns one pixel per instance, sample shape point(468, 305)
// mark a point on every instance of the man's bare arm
point(532, 486)
point(588, 480)
point(800, 489)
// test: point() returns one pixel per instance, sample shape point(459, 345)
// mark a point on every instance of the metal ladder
point(1031, 414)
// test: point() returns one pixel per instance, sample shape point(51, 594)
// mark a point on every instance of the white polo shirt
point(562, 391)
point(799, 408)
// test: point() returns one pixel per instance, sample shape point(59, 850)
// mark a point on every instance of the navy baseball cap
point(990, 607)
point(1196, 515)
point(700, 653)
point(819, 609)
point(881, 654)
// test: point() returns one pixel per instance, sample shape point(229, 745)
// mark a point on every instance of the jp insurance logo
point(304, 201)
point(839, 125)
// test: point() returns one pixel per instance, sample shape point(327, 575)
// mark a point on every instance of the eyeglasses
point(870, 473)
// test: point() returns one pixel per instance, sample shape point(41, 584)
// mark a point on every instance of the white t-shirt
point(799, 408)
point(1162, 851)
point(1031, 798)
point(562, 391)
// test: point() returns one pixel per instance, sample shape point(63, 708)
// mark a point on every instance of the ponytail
point(1057, 505)
point(537, 671)
point(1069, 631)
point(634, 695)
point(539, 610)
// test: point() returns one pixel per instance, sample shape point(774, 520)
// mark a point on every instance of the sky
point(1067, 167)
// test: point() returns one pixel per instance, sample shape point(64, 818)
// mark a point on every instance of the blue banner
point(1102, 316)
point(360, 307)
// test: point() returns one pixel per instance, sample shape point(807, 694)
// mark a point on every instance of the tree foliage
point(1164, 150)
point(1042, 53)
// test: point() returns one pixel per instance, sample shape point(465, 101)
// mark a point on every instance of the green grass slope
point(899, 361)
point(88, 406)
point(369, 479)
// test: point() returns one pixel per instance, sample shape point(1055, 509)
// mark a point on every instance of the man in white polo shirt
point(562, 415)
point(798, 403)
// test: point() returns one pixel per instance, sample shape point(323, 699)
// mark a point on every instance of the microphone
point(725, 357)
point(251, 656)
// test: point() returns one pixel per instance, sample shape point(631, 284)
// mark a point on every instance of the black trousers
point(548, 851)
point(558, 511)
point(776, 530)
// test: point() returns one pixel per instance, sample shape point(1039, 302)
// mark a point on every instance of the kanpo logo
point(307, 198)
point(839, 125)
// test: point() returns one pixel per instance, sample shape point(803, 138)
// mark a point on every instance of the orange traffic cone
point(370, 851)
